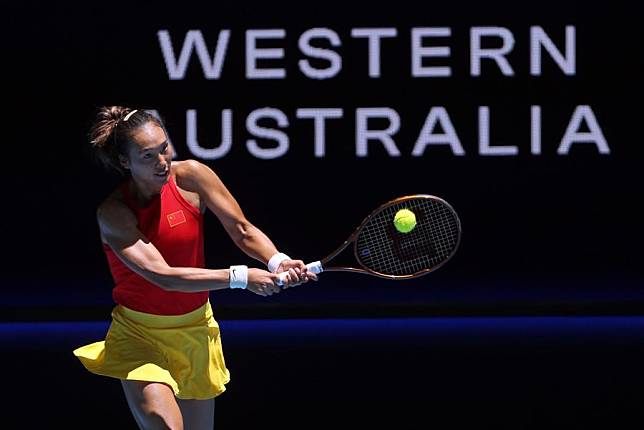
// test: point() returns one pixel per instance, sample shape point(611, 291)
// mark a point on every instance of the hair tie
point(130, 114)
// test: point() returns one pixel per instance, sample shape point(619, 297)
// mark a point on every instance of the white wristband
point(238, 276)
point(276, 260)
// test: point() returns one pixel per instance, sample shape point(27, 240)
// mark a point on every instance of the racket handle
point(315, 267)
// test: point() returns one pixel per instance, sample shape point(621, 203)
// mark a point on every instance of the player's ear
point(124, 162)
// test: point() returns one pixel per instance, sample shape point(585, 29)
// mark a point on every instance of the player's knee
point(155, 418)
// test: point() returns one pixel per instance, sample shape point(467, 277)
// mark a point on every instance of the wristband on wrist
point(276, 260)
point(238, 277)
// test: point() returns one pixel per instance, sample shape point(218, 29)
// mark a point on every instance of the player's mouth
point(163, 174)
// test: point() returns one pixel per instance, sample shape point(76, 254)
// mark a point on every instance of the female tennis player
point(163, 342)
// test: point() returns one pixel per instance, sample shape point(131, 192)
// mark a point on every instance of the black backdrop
point(543, 232)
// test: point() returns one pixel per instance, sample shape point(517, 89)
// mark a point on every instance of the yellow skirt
point(182, 351)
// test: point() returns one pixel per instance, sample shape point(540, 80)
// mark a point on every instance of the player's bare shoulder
point(192, 175)
point(114, 212)
point(112, 202)
point(188, 169)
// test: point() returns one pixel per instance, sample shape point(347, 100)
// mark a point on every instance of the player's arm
point(197, 177)
point(119, 230)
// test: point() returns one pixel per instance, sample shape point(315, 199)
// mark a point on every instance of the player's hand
point(262, 282)
point(297, 273)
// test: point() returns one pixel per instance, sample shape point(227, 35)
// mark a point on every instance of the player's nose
point(162, 161)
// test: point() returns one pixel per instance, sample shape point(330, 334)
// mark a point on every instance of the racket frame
point(352, 239)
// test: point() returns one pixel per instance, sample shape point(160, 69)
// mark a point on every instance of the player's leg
point(153, 405)
point(198, 414)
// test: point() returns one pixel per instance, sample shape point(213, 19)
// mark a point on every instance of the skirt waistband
point(202, 313)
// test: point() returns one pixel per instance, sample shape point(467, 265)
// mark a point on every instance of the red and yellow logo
point(176, 218)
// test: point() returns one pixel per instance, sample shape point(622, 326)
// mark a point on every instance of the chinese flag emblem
point(176, 218)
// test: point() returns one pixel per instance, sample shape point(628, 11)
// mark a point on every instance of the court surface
point(441, 372)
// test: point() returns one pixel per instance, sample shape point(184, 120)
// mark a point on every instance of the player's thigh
point(153, 405)
point(198, 414)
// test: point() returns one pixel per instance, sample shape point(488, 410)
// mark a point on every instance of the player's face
point(149, 154)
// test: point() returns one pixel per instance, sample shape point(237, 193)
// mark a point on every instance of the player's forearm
point(190, 279)
point(254, 243)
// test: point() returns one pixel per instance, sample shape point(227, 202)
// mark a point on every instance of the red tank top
point(175, 228)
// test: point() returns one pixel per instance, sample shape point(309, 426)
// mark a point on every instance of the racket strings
point(381, 248)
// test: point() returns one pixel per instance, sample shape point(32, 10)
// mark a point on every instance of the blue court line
point(462, 330)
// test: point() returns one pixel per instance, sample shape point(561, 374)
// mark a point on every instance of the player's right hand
point(262, 282)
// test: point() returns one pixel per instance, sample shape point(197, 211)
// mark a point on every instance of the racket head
point(383, 251)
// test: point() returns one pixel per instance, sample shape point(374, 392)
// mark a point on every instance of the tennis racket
point(379, 249)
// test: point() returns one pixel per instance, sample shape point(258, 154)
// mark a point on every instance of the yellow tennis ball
point(405, 221)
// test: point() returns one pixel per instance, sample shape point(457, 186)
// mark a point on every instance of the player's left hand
point(297, 273)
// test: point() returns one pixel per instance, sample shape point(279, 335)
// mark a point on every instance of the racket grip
point(315, 267)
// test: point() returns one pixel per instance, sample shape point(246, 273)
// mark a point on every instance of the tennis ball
point(405, 221)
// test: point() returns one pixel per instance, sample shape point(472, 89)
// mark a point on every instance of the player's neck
point(143, 191)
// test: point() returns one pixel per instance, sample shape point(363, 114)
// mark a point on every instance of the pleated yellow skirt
point(182, 351)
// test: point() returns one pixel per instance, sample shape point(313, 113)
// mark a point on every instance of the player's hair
point(112, 131)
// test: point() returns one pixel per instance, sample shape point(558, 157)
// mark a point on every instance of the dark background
point(539, 230)
point(548, 234)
